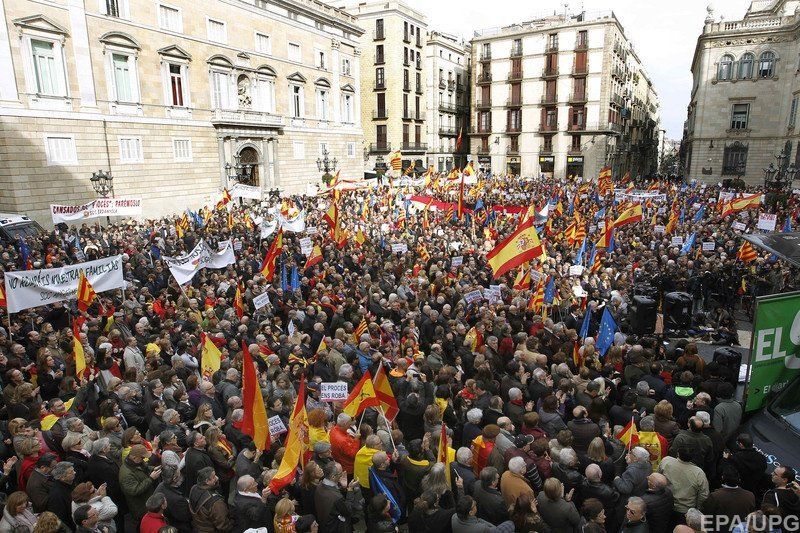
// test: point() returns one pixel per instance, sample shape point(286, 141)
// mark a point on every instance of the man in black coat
point(101, 469)
point(251, 510)
point(462, 468)
point(583, 429)
point(491, 506)
point(658, 498)
point(750, 463)
point(382, 465)
point(60, 501)
point(40, 482)
point(592, 486)
point(196, 457)
point(177, 512)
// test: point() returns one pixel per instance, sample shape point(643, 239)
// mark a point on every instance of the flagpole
point(388, 425)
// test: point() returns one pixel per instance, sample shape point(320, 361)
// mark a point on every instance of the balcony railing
point(406, 38)
point(515, 75)
point(479, 129)
point(485, 77)
point(406, 86)
point(244, 116)
point(514, 101)
point(379, 86)
point(580, 70)
point(516, 51)
point(549, 99)
point(445, 107)
point(460, 88)
point(486, 56)
point(418, 89)
point(447, 131)
point(581, 45)
point(548, 128)
point(379, 114)
point(380, 147)
point(578, 97)
point(414, 146)
point(577, 127)
point(480, 104)
point(419, 116)
point(550, 72)
point(617, 100)
point(451, 85)
point(618, 72)
point(551, 47)
point(378, 35)
point(546, 149)
point(408, 114)
point(484, 150)
point(514, 128)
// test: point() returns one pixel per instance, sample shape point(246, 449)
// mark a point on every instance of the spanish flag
point(86, 294)
point(460, 210)
point(77, 351)
point(296, 443)
point(747, 253)
point(750, 201)
point(210, 356)
point(577, 358)
point(226, 195)
point(656, 444)
point(474, 337)
point(360, 238)
point(521, 246)
point(331, 216)
point(361, 397)
point(480, 454)
point(608, 231)
point(629, 435)
point(314, 258)
point(269, 266)
point(238, 302)
point(383, 390)
point(255, 421)
point(3, 301)
point(631, 215)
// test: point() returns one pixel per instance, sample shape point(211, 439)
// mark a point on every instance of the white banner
point(767, 221)
point(184, 268)
point(576, 270)
point(677, 240)
point(241, 190)
point(457, 261)
point(261, 300)
point(333, 392)
point(296, 224)
point(32, 288)
point(268, 228)
point(473, 296)
point(709, 246)
point(399, 248)
point(740, 226)
point(306, 246)
point(102, 207)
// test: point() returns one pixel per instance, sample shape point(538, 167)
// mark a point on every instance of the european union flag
point(605, 337)
point(600, 214)
point(550, 290)
point(284, 281)
point(700, 214)
point(579, 257)
point(155, 251)
point(294, 282)
point(688, 245)
point(587, 319)
point(787, 226)
point(377, 486)
point(683, 215)
point(479, 204)
point(24, 253)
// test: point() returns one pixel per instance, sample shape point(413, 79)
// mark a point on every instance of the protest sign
point(536, 275)
point(333, 392)
point(709, 246)
point(261, 300)
point(575, 270)
point(312, 230)
point(184, 268)
point(739, 225)
point(32, 288)
point(276, 426)
point(457, 261)
point(240, 190)
point(658, 229)
point(399, 248)
point(102, 207)
point(306, 246)
point(767, 221)
point(677, 240)
point(473, 296)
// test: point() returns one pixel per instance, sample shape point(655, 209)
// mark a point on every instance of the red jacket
point(344, 448)
point(152, 522)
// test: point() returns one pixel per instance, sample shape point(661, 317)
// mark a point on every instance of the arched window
point(746, 66)
point(766, 64)
point(725, 67)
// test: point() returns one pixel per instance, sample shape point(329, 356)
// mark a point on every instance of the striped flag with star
point(746, 253)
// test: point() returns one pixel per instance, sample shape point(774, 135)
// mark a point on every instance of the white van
point(13, 225)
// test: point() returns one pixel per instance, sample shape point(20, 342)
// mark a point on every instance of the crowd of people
point(540, 422)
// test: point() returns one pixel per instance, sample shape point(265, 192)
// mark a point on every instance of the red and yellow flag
point(3, 301)
point(523, 280)
point(238, 301)
point(746, 253)
point(360, 330)
point(750, 201)
point(210, 356)
point(296, 443)
point(86, 294)
point(629, 435)
point(77, 351)
point(469, 170)
point(361, 397)
point(383, 390)
point(445, 454)
point(361, 237)
point(255, 422)
point(315, 257)
point(269, 266)
point(522, 246)
point(630, 215)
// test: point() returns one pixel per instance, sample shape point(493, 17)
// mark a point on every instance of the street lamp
point(242, 172)
point(777, 180)
point(380, 168)
point(327, 166)
point(102, 183)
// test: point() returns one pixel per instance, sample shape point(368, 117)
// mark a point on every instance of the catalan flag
point(523, 280)
point(537, 298)
point(396, 160)
point(255, 422)
point(296, 443)
point(423, 253)
point(630, 215)
point(520, 247)
point(86, 294)
point(360, 330)
point(747, 253)
point(604, 185)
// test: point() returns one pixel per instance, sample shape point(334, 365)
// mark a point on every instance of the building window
point(298, 149)
point(381, 104)
point(60, 150)
point(486, 51)
point(125, 84)
point(321, 59)
point(793, 113)
point(485, 121)
point(379, 79)
point(294, 52)
point(351, 149)
point(347, 108)
point(578, 116)
point(323, 147)
point(264, 89)
point(419, 82)
point(114, 8)
point(552, 41)
point(297, 101)
point(734, 159)
point(551, 118)
point(739, 115)
point(263, 44)
point(178, 87)
point(379, 54)
point(766, 65)
point(169, 18)
point(217, 32)
point(130, 150)
point(380, 136)
point(405, 80)
point(575, 146)
point(346, 66)
point(746, 66)
point(322, 104)
point(48, 68)
point(725, 67)
point(182, 150)
point(583, 38)
point(221, 93)
point(379, 29)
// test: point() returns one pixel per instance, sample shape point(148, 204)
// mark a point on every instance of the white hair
point(568, 457)
point(474, 415)
point(464, 455)
point(640, 454)
point(694, 519)
point(514, 393)
point(517, 465)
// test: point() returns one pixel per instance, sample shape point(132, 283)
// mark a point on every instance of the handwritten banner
point(102, 207)
point(333, 392)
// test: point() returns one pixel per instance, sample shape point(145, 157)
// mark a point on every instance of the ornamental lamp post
point(778, 180)
point(326, 165)
point(103, 185)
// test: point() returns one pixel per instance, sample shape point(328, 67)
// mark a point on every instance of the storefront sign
point(547, 159)
point(574, 159)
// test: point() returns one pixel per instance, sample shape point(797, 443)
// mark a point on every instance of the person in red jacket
point(154, 519)
point(344, 445)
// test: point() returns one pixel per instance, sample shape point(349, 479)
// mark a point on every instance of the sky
point(664, 34)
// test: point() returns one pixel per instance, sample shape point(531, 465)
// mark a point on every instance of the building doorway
point(248, 158)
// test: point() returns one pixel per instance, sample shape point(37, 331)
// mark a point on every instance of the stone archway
point(249, 159)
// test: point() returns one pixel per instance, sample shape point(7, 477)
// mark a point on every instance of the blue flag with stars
point(294, 279)
point(379, 487)
point(605, 337)
point(787, 226)
point(688, 245)
point(587, 319)
point(284, 280)
point(550, 290)
point(700, 213)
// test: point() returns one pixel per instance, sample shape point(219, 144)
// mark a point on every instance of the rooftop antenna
point(566, 10)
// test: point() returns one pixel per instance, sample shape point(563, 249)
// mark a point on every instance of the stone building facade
point(562, 95)
point(165, 94)
point(745, 91)
point(447, 65)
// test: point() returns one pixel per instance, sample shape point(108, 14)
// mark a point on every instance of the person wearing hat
point(322, 453)
point(137, 480)
point(522, 448)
